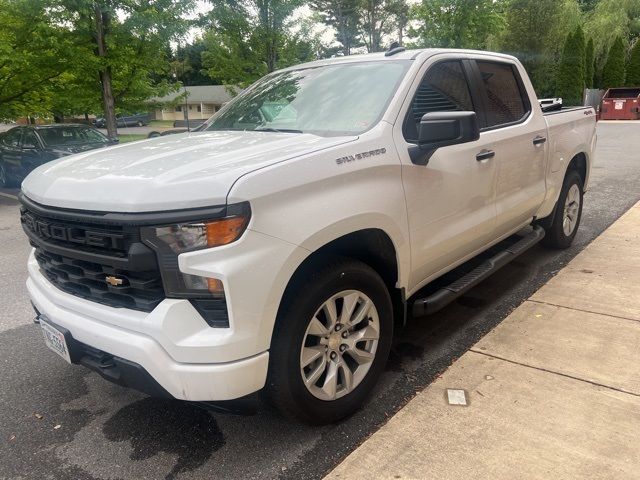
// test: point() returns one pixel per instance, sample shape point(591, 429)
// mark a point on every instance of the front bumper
point(117, 332)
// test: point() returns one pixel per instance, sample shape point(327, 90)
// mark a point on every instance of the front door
point(11, 154)
point(32, 155)
point(451, 200)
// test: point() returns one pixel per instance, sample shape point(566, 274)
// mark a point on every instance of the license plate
point(54, 339)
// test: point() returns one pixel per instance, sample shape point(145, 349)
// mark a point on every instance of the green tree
point(35, 57)
point(456, 23)
point(571, 71)
point(248, 39)
point(128, 41)
point(529, 35)
point(613, 73)
point(633, 67)
point(589, 60)
point(380, 19)
point(344, 16)
point(187, 63)
point(607, 21)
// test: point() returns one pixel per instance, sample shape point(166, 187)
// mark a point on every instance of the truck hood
point(166, 173)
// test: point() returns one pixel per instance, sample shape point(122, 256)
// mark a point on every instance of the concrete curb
point(551, 392)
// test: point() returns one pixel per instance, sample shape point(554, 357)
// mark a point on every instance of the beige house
point(201, 102)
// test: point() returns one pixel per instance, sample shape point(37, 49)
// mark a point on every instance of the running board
point(439, 299)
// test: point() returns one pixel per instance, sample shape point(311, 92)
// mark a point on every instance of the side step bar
point(437, 300)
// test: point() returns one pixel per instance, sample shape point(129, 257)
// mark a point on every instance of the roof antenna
point(393, 49)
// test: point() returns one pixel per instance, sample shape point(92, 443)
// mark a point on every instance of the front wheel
point(330, 343)
point(568, 213)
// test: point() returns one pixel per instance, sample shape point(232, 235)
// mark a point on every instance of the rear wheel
point(330, 343)
point(568, 213)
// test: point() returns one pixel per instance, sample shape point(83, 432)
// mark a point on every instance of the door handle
point(485, 155)
point(539, 140)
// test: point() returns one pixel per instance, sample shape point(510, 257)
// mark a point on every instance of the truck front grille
point(139, 291)
point(98, 261)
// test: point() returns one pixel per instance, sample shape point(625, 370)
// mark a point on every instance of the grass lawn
point(131, 137)
point(161, 123)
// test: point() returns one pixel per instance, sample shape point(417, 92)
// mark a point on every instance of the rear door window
point(506, 100)
point(444, 88)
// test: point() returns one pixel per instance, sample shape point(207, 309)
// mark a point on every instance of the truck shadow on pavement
point(154, 425)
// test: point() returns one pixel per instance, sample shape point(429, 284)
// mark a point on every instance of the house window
point(199, 108)
point(208, 108)
point(178, 108)
point(190, 107)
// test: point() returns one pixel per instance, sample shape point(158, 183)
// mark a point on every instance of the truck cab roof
point(410, 54)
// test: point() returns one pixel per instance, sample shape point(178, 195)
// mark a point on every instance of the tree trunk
point(102, 26)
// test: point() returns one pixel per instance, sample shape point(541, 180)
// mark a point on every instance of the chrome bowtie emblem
point(113, 281)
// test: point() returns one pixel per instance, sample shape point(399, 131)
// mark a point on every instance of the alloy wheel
point(571, 210)
point(339, 345)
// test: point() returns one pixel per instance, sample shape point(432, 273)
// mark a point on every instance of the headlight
point(169, 241)
point(194, 236)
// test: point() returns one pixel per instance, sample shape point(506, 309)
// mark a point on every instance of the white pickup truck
point(275, 249)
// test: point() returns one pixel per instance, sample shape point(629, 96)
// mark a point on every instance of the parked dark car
point(194, 126)
point(24, 148)
point(133, 120)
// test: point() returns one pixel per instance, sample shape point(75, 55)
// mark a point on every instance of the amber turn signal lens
point(215, 285)
point(225, 231)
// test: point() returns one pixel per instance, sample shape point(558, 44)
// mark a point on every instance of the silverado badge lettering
point(359, 156)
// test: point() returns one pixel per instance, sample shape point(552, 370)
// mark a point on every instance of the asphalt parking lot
point(61, 421)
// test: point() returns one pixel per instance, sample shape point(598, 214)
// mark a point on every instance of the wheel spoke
point(316, 373)
point(317, 329)
point(349, 304)
point(311, 354)
point(330, 385)
point(329, 309)
point(360, 314)
point(360, 356)
point(368, 333)
point(347, 376)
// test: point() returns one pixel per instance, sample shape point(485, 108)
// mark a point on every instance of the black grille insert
point(106, 263)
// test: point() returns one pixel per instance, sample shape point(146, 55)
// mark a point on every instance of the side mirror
point(113, 140)
point(440, 129)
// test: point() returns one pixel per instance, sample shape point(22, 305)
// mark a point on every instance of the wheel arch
point(580, 163)
point(372, 246)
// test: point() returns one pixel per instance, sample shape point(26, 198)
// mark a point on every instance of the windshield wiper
point(277, 130)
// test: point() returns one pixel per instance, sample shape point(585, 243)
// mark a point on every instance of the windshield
point(347, 98)
point(71, 136)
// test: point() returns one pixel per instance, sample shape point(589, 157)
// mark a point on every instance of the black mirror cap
point(440, 129)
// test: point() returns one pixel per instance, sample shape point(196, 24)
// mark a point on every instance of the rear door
point(451, 200)
point(515, 130)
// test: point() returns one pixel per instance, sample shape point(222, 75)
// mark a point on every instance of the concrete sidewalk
point(553, 392)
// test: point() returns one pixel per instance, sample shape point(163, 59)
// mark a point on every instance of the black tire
point(556, 236)
point(154, 135)
point(285, 388)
